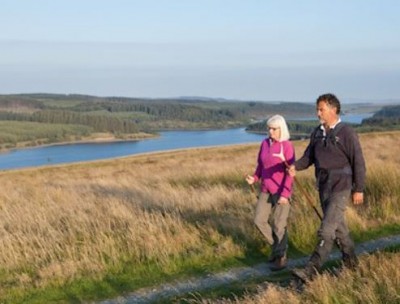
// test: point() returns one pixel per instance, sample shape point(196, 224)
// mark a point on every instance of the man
point(335, 151)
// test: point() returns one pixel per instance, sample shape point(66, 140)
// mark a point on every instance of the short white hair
point(279, 122)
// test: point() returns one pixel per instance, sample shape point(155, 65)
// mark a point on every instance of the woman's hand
point(283, 200)
point(250, 179)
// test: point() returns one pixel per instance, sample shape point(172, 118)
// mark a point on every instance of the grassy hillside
point(93, 230)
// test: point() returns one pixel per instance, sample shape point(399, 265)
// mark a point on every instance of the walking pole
point(252, 188)
point(308, 197)
point(303, 191)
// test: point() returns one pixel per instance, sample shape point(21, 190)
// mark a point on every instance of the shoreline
point(88, 140)
point(150, 153)
point(104, 138)
point(141, 154)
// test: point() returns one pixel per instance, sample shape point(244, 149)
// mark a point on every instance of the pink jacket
point(272, 170)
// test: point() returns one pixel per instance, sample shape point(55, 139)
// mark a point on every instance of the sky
point(247, 50)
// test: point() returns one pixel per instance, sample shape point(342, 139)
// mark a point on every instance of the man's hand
point(250, 179)
point(292, 171)
point(358, 198)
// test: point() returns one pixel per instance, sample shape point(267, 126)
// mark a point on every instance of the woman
point(273, 206)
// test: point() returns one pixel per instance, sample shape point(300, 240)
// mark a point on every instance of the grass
point(21, 134)
point(89, 231)
point(376, 280)
point(18, 134)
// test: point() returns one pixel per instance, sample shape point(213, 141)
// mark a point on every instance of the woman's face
point(274, 132)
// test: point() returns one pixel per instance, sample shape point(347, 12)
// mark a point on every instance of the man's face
point(326, 113)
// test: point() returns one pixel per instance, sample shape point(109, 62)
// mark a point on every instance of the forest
point(386, 118)
point(121, 116)
point(80, 109)
point(34, 119)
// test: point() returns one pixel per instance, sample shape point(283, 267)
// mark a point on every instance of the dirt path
point(165, 291)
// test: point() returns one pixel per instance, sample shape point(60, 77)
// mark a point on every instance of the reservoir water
point(69, 153)
point(58, 154)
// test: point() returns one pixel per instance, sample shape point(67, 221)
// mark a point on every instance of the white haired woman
point(273, 205)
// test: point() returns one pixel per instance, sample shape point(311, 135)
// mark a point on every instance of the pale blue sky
point(248, 50)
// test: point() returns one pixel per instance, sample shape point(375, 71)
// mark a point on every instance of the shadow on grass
point(226, 224)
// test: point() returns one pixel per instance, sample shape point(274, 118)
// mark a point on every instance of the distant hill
point(384, 118)
point(145, 114)
point(388, 117)
point(65, 117)
point(383, 101)
point(388, 112)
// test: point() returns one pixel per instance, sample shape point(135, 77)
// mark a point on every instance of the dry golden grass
point(376, 281)
point(61, 223)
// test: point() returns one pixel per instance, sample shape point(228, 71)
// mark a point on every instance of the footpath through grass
point(252, 290)
point(130, 277)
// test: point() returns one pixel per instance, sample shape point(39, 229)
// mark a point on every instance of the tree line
point(99, 123)
point(387, 118)
point(120, 114)
point(298, 129)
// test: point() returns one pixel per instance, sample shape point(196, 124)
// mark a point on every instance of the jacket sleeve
point(357, 161)
point(308, 157)
point(289, 154)
point(258, 172)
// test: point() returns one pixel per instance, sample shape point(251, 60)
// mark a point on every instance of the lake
point(69, 153)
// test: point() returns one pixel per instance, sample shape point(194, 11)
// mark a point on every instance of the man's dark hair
point(331, 100)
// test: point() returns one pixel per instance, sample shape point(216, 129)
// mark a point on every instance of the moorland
point(90, 231)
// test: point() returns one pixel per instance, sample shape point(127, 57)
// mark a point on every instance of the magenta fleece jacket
point(272, 170)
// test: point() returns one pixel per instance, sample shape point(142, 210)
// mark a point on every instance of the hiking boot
point(272, 259)
point(306, 274)
point(350, 261)
point(279, 263)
